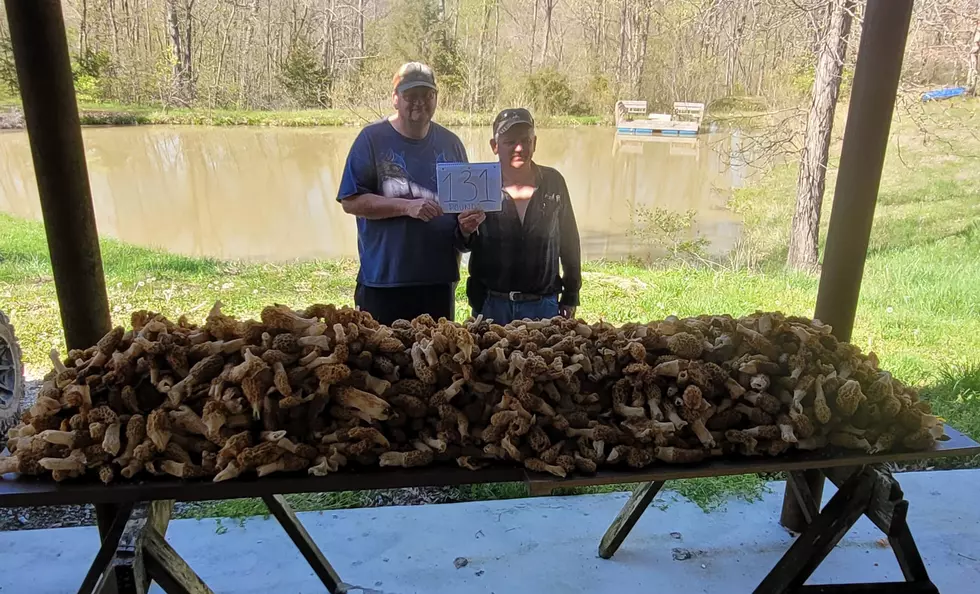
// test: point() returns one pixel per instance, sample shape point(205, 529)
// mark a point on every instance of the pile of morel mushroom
point(326, 388)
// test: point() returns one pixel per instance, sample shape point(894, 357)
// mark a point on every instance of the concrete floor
point(540, 545)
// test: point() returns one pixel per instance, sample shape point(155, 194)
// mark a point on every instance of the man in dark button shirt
point(409, 263)
point(514, 264)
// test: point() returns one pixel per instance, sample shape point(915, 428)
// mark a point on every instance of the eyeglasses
point(418, 95)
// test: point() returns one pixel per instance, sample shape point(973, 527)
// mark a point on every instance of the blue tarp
point(943, 93)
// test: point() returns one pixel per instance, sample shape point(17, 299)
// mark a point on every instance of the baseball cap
point(412, 75)
point(509, 118)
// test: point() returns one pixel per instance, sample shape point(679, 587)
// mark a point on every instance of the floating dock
point(685, 121)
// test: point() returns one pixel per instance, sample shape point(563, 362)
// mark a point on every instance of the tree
point(305, 77)
point(634, 33)
point(974, 61)
point(549, 8)
point(816, 144)
point(180, 45)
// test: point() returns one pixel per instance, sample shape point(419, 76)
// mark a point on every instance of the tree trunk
point(974, 62)
point(187, 62)
point(600, 35)
point(83, 29)
point(549, 7)
point(176, 44)
point(221, 56)
point(115, 31)
point(181, 46)
point(484, 28)
point(244, 67)
point(360, 28)
point(496, 39)
point(816, 146)
point(534, 35)
point(638, 83)
point(623, 39)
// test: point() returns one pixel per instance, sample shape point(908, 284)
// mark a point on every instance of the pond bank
point(11, 117)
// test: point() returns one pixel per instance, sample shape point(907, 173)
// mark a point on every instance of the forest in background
point(556, 56)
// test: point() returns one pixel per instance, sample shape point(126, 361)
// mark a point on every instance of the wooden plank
point(31, 491)
point(107, 549)
point(125, 573)
point(820, 537)
point(169, 570)
point(874, 588)
point(160, 513)
point(127, 570)
point(904, 547)
point(627, 518)
point(809, 506)
point(885, 495)
point(283, 513)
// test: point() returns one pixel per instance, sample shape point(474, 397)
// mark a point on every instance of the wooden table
point(134, 550)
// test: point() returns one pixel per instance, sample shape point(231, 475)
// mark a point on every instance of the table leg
point(168, 569)
point(627, 518)
point(110, 540)
point(873, 492)
point(820, 537)
point(798, 483)
point(283, 513)
point(792, 516)
point(903, 545)
point(126, 573)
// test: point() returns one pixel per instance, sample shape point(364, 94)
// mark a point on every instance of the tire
point(11, 378)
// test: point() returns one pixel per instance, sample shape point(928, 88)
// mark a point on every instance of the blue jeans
point(502, 310)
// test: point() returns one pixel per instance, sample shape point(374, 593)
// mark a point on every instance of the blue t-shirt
point(402, 251)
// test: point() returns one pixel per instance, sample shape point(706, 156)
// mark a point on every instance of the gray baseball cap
point(412, 75)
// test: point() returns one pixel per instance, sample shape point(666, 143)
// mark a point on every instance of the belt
point(516, 296)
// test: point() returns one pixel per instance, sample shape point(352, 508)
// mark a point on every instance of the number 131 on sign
point(466, 186)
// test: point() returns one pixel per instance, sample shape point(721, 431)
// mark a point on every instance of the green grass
point(708, 494)
point(111, 114)
point(919, 308)
point(253, 506)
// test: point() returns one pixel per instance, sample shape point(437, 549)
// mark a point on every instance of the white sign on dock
point(465, 186)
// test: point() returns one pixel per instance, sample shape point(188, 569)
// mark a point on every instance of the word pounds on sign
point(465, 186)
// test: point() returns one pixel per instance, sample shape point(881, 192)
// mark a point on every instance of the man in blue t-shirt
point(408, 247)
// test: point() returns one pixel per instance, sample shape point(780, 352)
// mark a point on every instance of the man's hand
point(423, 209)
point(567, 311)
point(470, 220)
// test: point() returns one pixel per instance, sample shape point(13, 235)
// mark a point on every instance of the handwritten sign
point(464, 186)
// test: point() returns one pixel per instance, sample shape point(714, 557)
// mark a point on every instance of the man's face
point(416, 105)
point(515, 147)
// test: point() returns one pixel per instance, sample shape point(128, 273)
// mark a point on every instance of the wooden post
point(168, 569)
point(820, 537)
point(127, 573)
point(284, 514)
point(628, 517)
point(47, 90)
point(869, 115)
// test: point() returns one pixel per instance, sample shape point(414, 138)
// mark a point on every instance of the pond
point(269, 194)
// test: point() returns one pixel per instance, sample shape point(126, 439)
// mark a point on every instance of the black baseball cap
point(412, 75)
point(509, 118)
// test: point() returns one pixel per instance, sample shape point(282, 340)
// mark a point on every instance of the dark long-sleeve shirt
point(508, 255)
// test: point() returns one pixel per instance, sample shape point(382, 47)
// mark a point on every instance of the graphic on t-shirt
point(395, 181)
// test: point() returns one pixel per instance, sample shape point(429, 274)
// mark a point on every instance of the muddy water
point(268, 194)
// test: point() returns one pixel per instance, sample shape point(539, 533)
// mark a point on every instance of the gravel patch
point(62, 516)
point(11, 119)
point(54, 516)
